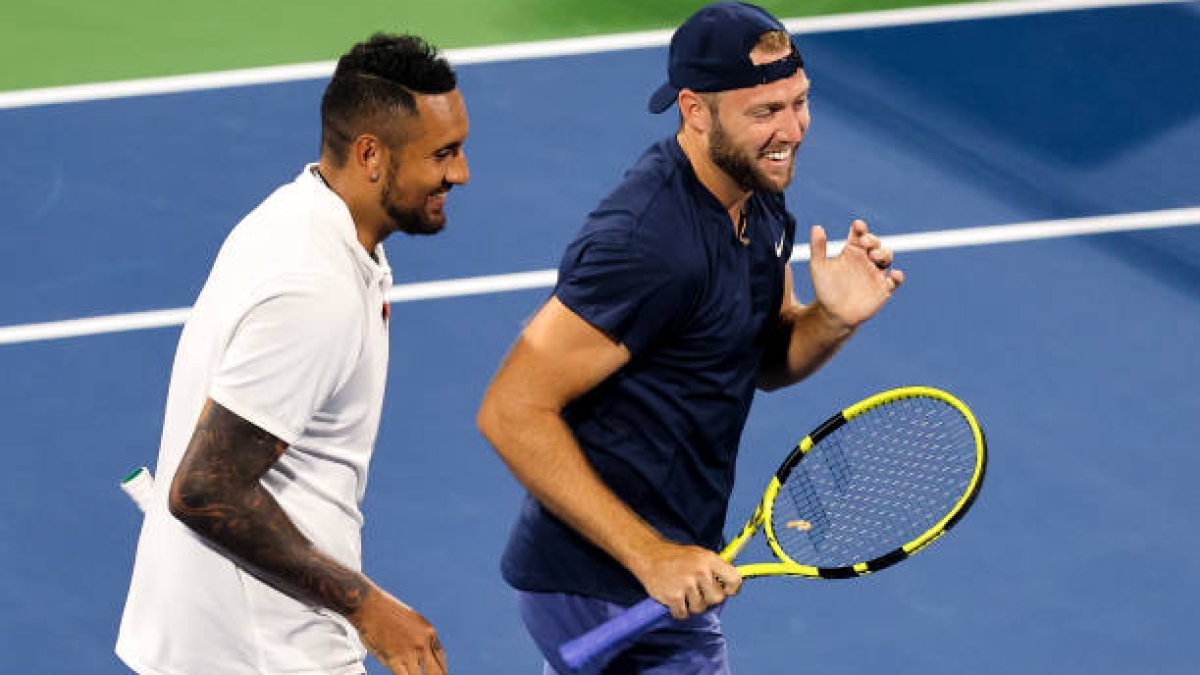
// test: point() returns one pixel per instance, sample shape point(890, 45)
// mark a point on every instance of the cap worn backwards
point(711, 52)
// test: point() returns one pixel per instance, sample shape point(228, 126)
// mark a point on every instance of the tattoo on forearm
point(217, 493)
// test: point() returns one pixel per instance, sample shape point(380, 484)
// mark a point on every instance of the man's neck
point(343, 187)
point(731, 195)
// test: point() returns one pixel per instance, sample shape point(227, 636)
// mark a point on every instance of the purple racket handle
point(598, 643)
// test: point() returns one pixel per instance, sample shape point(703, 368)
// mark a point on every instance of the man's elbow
point(489, 418)
point(769, 385)
point(503, 418)
point(189, 501)
point(774, 375)
point(770, 382)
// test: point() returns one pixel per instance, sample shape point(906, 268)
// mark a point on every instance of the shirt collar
point(375, 271)
point(705, 196)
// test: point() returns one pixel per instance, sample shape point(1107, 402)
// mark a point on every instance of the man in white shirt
point(249, 560)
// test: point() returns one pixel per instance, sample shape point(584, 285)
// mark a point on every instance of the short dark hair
point(374, 80)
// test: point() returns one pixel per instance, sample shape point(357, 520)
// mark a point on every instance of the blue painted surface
point(1077, 354)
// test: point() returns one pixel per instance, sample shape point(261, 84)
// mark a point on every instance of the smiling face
point(427, 163)
point(756, 131)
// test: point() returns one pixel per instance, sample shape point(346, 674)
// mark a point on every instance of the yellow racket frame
point(762, 515)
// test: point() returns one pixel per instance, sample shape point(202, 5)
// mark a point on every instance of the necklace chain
point(321, 177)
point(742, 226)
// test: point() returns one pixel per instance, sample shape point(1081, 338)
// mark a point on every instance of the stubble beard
point(408, 220)
point(740, 166)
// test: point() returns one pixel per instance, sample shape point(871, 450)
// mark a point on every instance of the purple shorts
point(694, 646)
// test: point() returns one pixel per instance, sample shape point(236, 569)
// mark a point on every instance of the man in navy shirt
point(621, 406)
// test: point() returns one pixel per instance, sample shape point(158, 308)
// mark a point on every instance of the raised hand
point(853, 286)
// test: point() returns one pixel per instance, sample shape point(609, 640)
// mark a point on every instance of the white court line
point(500, 283)
point(1041, 229)
point(545, 49)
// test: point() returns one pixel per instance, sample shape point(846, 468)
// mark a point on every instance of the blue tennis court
point(1077, 353)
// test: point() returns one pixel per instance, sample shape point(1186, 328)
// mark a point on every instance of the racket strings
point(876, 483)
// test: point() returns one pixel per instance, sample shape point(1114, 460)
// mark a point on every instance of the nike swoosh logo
point(779, 246)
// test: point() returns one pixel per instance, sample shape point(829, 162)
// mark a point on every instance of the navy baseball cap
point(711, 52)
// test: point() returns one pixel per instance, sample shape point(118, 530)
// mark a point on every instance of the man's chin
point(426, 228)
point(418, 223)
point(434, 222)
point(772, 182)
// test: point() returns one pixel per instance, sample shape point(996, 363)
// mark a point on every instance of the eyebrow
point(777, 105)
point(453, 145)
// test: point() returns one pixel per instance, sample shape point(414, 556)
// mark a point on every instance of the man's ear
point(366, 154)
point(694, 111)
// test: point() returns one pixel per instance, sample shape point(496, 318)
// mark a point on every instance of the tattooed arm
point(216, 492)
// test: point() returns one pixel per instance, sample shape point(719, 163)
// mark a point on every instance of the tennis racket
point(870, 487)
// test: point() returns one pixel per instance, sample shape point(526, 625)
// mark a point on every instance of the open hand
point(853, 286)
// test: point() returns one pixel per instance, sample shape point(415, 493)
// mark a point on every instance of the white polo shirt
point(290, 333)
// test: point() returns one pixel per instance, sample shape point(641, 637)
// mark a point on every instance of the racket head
point(871, 486)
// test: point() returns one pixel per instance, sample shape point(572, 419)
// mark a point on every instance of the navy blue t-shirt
point(659, 268)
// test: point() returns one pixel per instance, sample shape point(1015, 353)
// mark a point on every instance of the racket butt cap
point(139, 486)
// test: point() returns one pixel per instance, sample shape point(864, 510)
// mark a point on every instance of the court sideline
point(923, 127)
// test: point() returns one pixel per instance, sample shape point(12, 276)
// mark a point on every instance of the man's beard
point(407, 219)
point(740, 166)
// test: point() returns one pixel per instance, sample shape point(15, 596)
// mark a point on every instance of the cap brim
point(662, 98)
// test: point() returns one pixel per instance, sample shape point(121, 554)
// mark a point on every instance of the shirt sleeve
point(293, 348)
point(625, 290)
